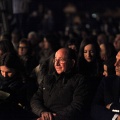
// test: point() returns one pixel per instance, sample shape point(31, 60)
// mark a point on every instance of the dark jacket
point(15, 87)
point(61, 94)
point(10, 106)
point(108, 92)
point(11, 85)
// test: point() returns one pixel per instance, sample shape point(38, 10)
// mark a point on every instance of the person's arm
point(37, 101)
point(116, 117)
point(75, 108)
point(99, 110)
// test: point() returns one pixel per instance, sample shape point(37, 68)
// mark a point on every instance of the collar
point(64, 75)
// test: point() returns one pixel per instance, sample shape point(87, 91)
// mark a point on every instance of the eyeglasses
point(61, 60)
point(22, 47)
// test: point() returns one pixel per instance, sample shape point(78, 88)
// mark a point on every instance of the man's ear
point(73, 62)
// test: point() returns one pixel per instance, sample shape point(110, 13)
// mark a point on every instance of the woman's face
point(6, 72)
point(89, 53)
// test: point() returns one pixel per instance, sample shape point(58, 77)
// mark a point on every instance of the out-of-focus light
point(94, 15)
point(87, 26)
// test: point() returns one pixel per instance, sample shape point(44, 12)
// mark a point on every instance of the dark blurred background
point(56, 15)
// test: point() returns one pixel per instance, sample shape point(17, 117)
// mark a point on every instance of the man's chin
point(118, 74)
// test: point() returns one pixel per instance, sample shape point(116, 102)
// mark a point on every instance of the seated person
point(12, 96)
point(28, 61)
point(106, 105)
point(61, 95)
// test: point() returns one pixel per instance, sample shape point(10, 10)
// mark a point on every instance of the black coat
point(61, 94)
point(12, 85)
point(108, 92)
point(9, 107)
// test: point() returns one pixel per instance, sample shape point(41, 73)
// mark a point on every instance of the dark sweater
point(61, 94)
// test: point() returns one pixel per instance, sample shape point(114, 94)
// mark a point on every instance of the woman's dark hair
point(7, 46)
point(93, 68)
point(9, 60)
point(86, 42)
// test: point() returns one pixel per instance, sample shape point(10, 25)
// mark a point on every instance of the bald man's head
point(64, 60)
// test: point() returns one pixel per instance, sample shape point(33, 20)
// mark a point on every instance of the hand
point(108, 106)
point(39, 118)
point(115, 106)
point(118, 118)
point(46, 116)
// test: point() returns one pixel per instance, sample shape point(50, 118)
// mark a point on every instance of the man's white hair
point(32, 33)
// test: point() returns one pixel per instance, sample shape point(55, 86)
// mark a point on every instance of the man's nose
point(21, 49)
point(117, 63)
point(57, 63)
point(5, 74)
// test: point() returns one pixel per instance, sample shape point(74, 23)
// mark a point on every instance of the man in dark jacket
point(106, 105)
point(61, 95)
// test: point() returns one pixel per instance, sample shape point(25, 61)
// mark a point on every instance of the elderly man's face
point(117, 64)
point(60, 61)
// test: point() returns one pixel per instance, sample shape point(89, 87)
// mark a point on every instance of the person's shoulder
point(49, 79)
point(79, 77)
point(109, 79)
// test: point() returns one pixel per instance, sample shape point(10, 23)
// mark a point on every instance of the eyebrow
point(60, 58)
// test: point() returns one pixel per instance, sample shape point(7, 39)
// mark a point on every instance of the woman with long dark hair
point(90, 65)
point(89, 58)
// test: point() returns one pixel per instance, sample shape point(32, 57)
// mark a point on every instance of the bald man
point(106, 105)
point(61, 95)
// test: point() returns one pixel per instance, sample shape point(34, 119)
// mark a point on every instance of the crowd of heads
point(84, 44)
